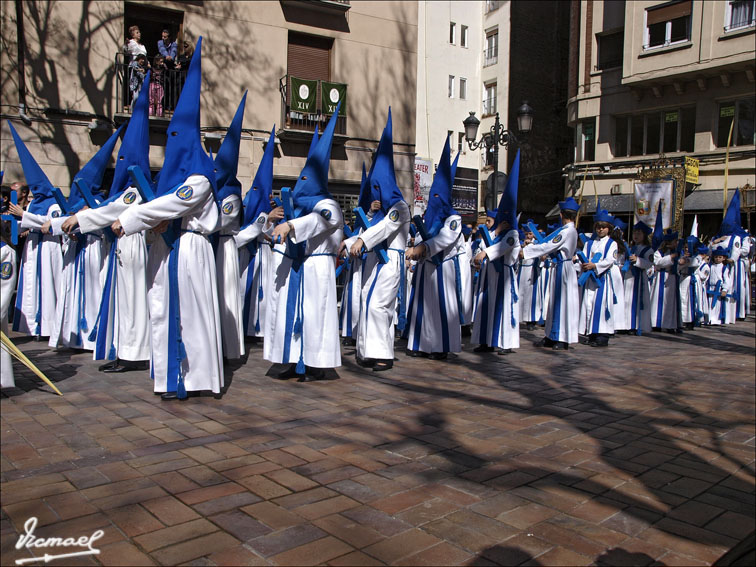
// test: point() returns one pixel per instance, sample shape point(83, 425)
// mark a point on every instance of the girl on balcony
point(157, 85)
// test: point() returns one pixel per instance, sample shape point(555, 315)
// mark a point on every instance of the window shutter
point(667, 12)
point(309, 57)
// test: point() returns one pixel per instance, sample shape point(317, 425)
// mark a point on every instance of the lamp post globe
point(471, 124)
point(525, 117)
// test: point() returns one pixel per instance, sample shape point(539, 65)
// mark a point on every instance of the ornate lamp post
point(497, 136)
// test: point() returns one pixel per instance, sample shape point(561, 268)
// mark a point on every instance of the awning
point(709, 200)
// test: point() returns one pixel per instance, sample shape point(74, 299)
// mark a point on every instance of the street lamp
point(497, 136)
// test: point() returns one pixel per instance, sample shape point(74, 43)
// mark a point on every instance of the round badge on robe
point(615, 254)
point(6, 271)
point(55, 214)
point(326, 214)
point(510, 240)
point(261, 219)
point(736, 244)
point(394, 216)
point(129, 198)
point(453, 225)
point(557, 239)
point(185, 193)
point(228, 208)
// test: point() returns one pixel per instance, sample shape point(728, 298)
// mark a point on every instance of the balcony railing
point(489, 106)
point(306, 122)
point(490, 56)
point(173, 82)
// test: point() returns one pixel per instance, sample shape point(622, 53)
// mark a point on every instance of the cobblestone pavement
point(642, 452)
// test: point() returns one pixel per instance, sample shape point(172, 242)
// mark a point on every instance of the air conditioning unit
point(616, 189)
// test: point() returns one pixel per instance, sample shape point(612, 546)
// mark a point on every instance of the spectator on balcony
point(168, 49)
point(135, 46)
point(182, 61)
point(157, 86)
point(137, 70)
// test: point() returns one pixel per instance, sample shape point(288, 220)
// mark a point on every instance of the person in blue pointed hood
point(497, 316)
point(40, 273)
point(383, 283)
point(435, 313)
point(302, 327)
point(737, 242)
point(255, 256)
point(80, 292)
point(121, 331)
point(226, 254)
point(182, 280)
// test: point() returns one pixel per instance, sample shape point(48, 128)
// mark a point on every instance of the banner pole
point(727, 168)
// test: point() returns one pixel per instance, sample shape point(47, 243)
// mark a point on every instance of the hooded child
point(41, 268)
point(665, 290)
point(302, 324)
point(434, 312)
point(252, 241)
point(529, 285)
point(497, 318)
point(382, 284)
point(563, 304)
point(226, 254)
point(635, 281)
point(121, 330)
point(182, 284)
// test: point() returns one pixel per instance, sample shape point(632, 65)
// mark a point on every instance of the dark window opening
point(610, 50)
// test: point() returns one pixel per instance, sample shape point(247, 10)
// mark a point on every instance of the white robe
point(39, 277)
point(255, 274)
point(309, 294)
point(202, 367)
point(597, 311)
point(465, 270)
point(351, 294)
point(690, 305)
point(563, 307)
point(382, 283)
point(123, 320)
point(433, 315)
point(227, 269)
point(742, 291)
point(7, 285)
point(497, 318)
point(637, 291)
point(702, 283)
point(665, 293)
point(721, 282)
point(621, 323)
point(530, 290)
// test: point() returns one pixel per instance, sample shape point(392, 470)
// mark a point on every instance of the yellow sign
point(691, 170)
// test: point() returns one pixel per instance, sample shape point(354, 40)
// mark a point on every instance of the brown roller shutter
point(309, 57)
point(667, 12)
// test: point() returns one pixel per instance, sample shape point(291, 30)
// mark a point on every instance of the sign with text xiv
point(303, 95)
point(331, 94)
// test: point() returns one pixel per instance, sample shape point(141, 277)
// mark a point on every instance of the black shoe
point(290, 372)
point(416, 353)
point(544, 342)
point(560, 346)
point(312, 375)
point(483, 348)
point(438, 355)
point(382, 365)
point(116, 369)
point(348, 341)
point(598, 343)
point(111, 364)
point(505, 351)
point(169, 396)
point(530, 326)
point(366, 362)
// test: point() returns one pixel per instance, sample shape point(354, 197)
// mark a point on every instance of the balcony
point(301, 123)
point(173, 82)
point(490, 57)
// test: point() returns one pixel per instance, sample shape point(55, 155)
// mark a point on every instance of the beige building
point(651, 79)
point(67, 88)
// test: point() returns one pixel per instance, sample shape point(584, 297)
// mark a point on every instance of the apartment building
point(651, 81)
point(489, 57)
point(65, 79)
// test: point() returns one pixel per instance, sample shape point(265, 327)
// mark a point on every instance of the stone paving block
point(123, 553)
point(264, 487)
point(283, 540)
point(355, 558)
point(175, 534)
point(134, 520)
point(192, 549)
point(400, 546)
point(240, 525)
point(313, 553)
point(224, 503)
point(209, 493)
point(238, 555)
point(170, 510)
point(272, 515)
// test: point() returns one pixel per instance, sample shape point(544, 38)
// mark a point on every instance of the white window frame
point(452, 33)
point(490, 58)
point(451, 86)
point(463, 33)
point(462, 88)
point(489, 102)
point(728, 16)
point(667, 33)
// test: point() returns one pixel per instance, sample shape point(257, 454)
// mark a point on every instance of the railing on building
point(490, 57)
point(489, 106)
point(173, 82)
point(306, 122)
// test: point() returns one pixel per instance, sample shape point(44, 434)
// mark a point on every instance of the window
point(451, 86)
point(740, 14)
point(460, 142)
point(463, 36)
point(449, 134)
point(610, 47)
point(462, 88)
point(667, 130)
point(452, 33)
point(489, 102)
point(667, 24)
point(491, 54)
point(492, 5)
point(742, 112)
point(586, 146)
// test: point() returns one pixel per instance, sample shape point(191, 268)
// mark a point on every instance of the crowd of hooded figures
point(177, 271)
